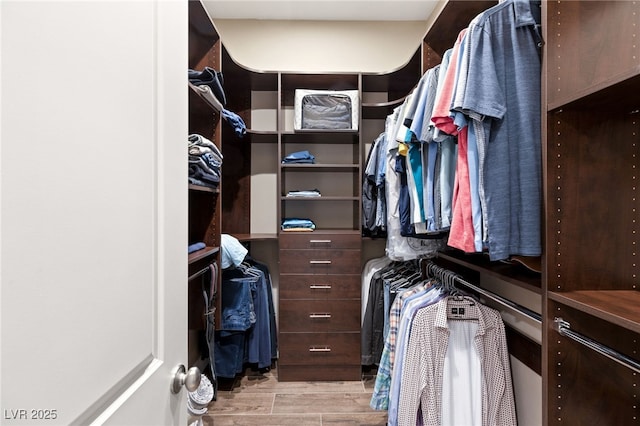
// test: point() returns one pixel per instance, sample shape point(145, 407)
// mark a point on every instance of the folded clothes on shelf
point(297, 224)
point(300, 157)
point(196, 246)
point(205, 160)
point(211, 78)
point(304, 193)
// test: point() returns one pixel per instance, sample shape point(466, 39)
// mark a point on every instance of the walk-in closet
point(395, 212)
point(335, 284)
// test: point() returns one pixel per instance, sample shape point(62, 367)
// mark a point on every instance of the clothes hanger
point(249, 270)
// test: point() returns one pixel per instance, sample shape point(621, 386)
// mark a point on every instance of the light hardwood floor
point(259, 399)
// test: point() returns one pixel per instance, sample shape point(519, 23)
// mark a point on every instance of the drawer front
point(320, 287)
point(319, 315)
point(314, 240)
point(319, 373)
point(320, 261)
point(319, 348)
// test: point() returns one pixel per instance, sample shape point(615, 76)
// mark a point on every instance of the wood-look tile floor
point(259, 399)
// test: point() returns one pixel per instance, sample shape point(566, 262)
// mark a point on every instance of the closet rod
point(564, 329)
point(197, 274)
point(497, 298)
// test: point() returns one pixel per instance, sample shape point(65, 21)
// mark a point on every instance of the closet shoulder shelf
point(390, 104)
point(514, 274)
point(619, 307)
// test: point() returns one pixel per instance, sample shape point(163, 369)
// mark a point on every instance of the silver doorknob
point(189, 379)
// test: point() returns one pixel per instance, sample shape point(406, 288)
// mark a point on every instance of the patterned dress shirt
point(423, 371)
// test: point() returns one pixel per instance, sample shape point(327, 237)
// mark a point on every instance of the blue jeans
point(229, 353)
point(236, 318)
point(237, 304)
point(259, 338)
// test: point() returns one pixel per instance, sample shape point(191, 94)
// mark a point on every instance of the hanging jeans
point(259, 338)
point(236, 318)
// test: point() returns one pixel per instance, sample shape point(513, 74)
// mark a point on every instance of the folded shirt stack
point(208, 83)
point(205, 161)
point(304, 193)
point(299, 157)
point(297, 225)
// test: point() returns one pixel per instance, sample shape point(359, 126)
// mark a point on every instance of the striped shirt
point(380, 396)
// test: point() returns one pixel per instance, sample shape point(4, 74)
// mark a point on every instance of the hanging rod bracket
point(560, 325)
point(564, 329)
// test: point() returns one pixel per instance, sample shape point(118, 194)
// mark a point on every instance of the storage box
point(326, 109)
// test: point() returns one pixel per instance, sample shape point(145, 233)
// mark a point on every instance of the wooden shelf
point(201, 188)
point(609, 94)
point(321, 131)
point(390, 104)
point(319, 167)
point(514, 274)
point(200, 260)
point(322, 137)
point(202, 254)
point(618, 307)
point(454, 17)
point(321, 198)
point(333, 81)
point(324, 231)
point(262, 135)
point(215, 108)
point(380, 110)
point(255, 237)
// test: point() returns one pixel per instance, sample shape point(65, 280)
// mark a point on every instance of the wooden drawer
point(316, 373)
point(319, 348)
point(319, 315)
point(317, 240)
point(320, 261)
point(320, 287)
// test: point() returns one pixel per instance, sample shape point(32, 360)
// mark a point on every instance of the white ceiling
point(372, 36)
point(346, 10)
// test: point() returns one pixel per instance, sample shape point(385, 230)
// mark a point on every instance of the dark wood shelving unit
point(592, 139)
point(204, 202)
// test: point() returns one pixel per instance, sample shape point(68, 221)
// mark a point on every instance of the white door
point(93, 211)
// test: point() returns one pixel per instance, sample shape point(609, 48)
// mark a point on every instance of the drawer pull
point(320, 262)
point(320, 315)
point(320, 241)
point(320, 286)
point(325, 349)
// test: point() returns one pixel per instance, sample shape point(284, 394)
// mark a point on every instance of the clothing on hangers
point(439, 321)
point(466, 174)
point(480, 391)
point(247, 330)
point(383, 287)
point(382, 387)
